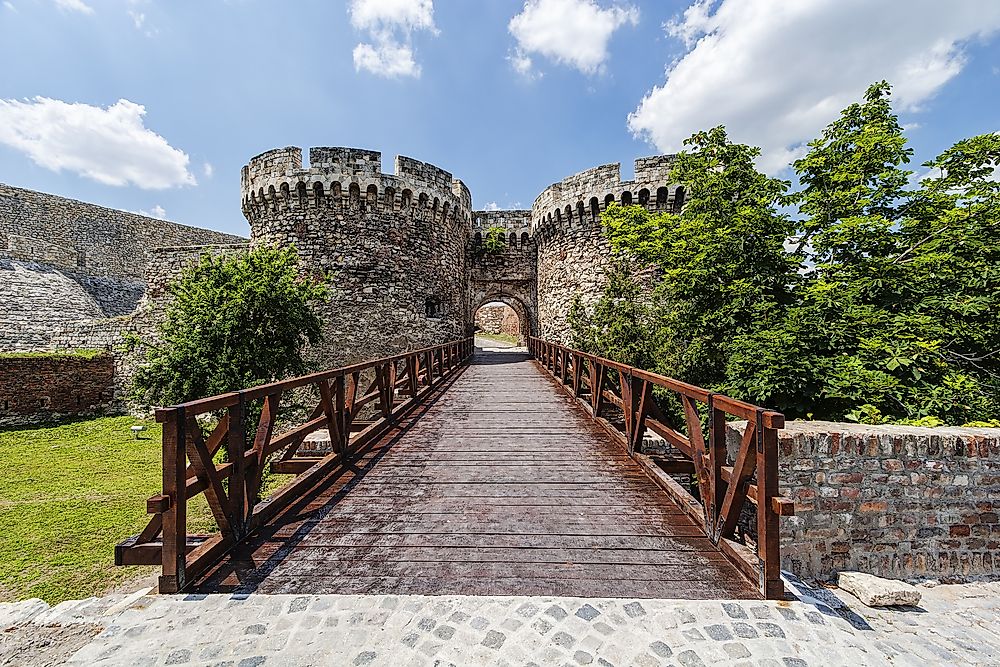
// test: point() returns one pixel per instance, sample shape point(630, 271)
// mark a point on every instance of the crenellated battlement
point(517, 224)
point(577, 201)
point(277, 180)
point(513, 220)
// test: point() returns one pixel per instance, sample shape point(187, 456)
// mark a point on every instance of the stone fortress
point(404, 251)
point(408, 269)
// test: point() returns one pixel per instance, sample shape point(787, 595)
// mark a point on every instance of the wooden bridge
point(457, 471)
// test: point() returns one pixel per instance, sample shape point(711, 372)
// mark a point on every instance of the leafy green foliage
point(881, 309)
point(233, 322)
point(493, 242)
point(718, 266)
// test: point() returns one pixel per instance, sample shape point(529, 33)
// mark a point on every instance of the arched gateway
point(409, 255)
point(430, 468)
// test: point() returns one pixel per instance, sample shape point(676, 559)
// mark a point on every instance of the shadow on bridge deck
point(498, 485)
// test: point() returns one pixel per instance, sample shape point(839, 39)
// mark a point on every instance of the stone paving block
point(444, 630)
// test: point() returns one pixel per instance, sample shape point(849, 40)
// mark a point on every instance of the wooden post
point(768, 537)
point(717, 458)
point(172, 578)
point(641, 395)
point(236, 447)
point(413, 373)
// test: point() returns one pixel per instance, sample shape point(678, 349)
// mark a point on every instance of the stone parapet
point(90, 239)
point(351, 179)
point(893, 501)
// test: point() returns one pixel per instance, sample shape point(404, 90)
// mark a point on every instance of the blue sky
point(507, 95)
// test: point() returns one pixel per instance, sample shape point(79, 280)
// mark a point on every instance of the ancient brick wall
point(38, 389)
point(395, 244)
point(573, 252)
point(894, 501)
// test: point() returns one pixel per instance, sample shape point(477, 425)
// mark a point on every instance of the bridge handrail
point(723, 485)
point(189, 466)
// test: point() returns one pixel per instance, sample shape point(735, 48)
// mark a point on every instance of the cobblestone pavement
point(955, 625)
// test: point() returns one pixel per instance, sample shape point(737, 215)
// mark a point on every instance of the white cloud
point(776, 72)
point(494, 206)
point(157, 212)
point(208, 170)
point(138, 18)
point(570, 32)
point(389, 59)
point(9, 5)
point(523, 65)
point(109, 145)
point(390, 25)
point(74, 6)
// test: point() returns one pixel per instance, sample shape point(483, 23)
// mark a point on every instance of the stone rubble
point(878, 592)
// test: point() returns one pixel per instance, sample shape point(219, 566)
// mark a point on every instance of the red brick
point(846, 478)
point(873, 506)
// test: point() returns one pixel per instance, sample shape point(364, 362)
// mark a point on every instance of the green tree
point(621, 325)
point(234, 321)
point(895, 319)
point(878, 304)
point(493, 242)
point(720, 264)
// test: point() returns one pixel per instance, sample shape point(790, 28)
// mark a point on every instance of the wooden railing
point(606, 388)
point(384, 390)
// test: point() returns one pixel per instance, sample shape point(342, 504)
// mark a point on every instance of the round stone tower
point(393, 243)
point(573, 252)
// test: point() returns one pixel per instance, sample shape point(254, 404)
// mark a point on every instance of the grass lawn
point(503, 338)
point(68, 494)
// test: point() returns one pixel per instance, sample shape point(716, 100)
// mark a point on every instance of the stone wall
point(394, 244)
point(573, 252)
point(510, 276)
point(894, 501)
point(88, 239)
point(43, 388)
point(109, 333)
point(498, 320)
point(64, 262)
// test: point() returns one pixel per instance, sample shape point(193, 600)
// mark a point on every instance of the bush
point(234, 321)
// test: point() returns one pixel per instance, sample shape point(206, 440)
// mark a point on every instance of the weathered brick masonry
point(895, 501)
point(39, 389)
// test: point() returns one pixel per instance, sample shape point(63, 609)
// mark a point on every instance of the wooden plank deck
point(499, 485)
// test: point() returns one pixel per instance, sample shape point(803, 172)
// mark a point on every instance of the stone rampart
point(351, 178)
point(894, 501)
point(573, 252)
point(517, 222)
point(86, 238)
point(509, 276)
point(498, 320)
point(37, 389)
